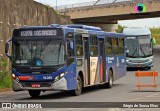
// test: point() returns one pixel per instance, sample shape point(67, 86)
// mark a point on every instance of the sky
point(149, 22)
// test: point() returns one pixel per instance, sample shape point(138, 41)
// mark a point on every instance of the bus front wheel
point(110, 80)
point(34, 93)
point(148, 67)
point(78, 90)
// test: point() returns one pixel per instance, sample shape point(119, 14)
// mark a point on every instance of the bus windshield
point(139, 46)
point(145, 46)
point(38, 53)
point(132, 46)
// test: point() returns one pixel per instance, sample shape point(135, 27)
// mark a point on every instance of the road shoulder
point(6, 90)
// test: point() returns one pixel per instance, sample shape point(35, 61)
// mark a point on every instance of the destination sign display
point(29, 33)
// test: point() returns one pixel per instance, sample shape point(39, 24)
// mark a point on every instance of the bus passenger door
point(102, 60)
point(86, 59)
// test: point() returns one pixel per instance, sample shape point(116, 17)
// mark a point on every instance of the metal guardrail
point(88, 4)
point(101, 3)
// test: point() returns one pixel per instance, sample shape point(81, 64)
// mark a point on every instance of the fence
point(76, 5)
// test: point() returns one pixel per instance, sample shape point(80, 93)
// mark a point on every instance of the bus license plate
point(138, 65)
point(36, 85)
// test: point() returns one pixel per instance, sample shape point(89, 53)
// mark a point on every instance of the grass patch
point(156, 34)
point(5, 77)
point(6, 83)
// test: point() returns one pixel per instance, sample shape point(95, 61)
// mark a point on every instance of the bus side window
point(108, 46)
point(70, 48)
point(115, 46)
point(93, 46)
point(121, 46)
point(79, 45)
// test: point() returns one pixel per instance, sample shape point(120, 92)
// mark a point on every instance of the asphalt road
point(124, 90)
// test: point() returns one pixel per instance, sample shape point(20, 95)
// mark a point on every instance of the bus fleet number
point(47, 77)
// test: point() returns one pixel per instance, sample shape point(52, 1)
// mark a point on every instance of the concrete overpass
point(106, 14)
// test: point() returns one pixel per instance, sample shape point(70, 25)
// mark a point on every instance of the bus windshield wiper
point(134, 52)
point(27, 45)
point(43, 47)
point(59, 51)
point(142, 51)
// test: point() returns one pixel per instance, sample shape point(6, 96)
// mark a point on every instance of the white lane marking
point(154, 95)
point(151, 95)
point(134, 99)
point(114, 109)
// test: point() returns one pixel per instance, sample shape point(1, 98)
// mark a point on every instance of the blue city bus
point(65, 57)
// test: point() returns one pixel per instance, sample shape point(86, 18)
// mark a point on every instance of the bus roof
point(92, 29)
point(134, 31)
point(35, 27)
point(85, 27)
point(78, 26)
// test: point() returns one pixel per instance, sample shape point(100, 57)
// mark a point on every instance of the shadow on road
point(66, 94)
point(54, 95)
point(138, 68)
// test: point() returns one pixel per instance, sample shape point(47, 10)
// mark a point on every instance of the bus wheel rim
point(78, 86)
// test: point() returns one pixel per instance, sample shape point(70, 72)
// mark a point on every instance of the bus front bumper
point(58, 85)
point(139, 64)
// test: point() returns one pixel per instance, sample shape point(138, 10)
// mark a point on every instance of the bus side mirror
point(153, 40)
point(127, 51)
point(7, 49)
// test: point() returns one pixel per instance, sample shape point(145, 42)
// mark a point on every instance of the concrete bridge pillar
point(107, 27)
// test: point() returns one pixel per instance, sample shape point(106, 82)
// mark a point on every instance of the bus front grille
point(42, 84)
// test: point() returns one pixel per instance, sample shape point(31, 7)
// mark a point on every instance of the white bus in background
point(139, 47)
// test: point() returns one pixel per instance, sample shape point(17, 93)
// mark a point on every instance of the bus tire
point(78, 90)
point(148, 67)
point(34, 93)
point(110, 80)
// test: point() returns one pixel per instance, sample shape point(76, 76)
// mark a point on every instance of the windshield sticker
point(21, 61)
point(38, 63)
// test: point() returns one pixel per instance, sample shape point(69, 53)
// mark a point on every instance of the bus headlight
point(13, 76)
point(127, 60)
point(59, 77)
